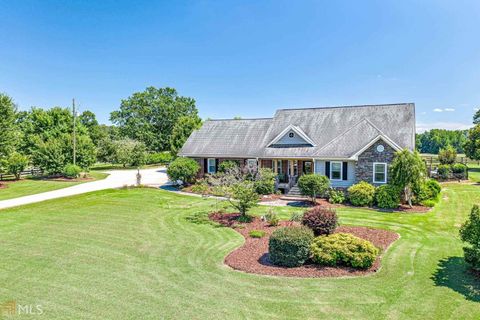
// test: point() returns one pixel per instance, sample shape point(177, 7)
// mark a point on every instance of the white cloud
point(423, 113)
point(444, 109)
point(422, 126)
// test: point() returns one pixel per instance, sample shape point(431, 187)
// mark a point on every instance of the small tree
point(472, 145)
point(49, 156)
point(16, 164)
point(407, 172)
point(312, 185)
point(243, 197)
point(470, 233)
point(447, 155)
point(183, 169)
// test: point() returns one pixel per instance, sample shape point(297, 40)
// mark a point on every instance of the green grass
point(27, 187)
point(150, 254)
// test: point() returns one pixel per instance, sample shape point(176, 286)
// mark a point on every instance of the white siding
point(296, 139)
point(320, 169)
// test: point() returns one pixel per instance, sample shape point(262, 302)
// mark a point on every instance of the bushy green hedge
point(290, 246)
point(183, 169)
point(72, 171)
point(444, 171)
point(343, 249)
point(427, 193)
point(265, 184)
point(226, 165)
point(159, 158)
point(336, 196)
point(387, 197)
point(313, 185)
point(361, 194)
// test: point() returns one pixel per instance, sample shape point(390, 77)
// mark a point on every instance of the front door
point(307, 167)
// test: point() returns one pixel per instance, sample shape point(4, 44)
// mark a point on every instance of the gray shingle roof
point(338, 132)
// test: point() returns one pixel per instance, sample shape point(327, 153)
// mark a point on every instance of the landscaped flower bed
point(252, 256)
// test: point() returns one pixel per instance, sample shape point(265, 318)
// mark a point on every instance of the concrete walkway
point(154, 177)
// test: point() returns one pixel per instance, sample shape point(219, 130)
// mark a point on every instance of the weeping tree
point(407, 171)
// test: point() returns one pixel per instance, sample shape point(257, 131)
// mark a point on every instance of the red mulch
point(252, 257)
point(3, 186)
point(271, 197)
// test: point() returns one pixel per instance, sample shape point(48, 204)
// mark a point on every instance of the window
point(379, 172)
point(252, 164)
point(335, 170)
point(212, 168)
point(307, 167)
point(291, 134)
point(279, 167)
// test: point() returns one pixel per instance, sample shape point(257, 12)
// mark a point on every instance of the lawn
point(27, 187)
point(144, 254)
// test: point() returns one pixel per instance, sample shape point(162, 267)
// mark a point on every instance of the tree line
point(149, 127)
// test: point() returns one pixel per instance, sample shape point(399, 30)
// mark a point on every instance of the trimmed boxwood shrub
point(459, 171)
point(290, 246)
point(183, 169)
point(387, 197)
point(470, 233)
point(361, 194)
point(321, 220)
point(72, 171)
point(343, 249)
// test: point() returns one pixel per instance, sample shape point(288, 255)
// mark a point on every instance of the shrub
point(387, 197)
point(444, 171)
point(343, 249)
point(313, 185)
point(159, 158)
point(200, 187)
point(296, 216)
point(428, 203)
point(361, 194)
point(183, 169)
point(321, 220)
point(470, 233)
point(459, 171)
point(290, 246)
point(16, 163)
point(272, 218)
point(72, 171)
point(429, 190)
point(336, 196)
point(227, 165)
point(447, 155)
point(265, 184)
point(243, 197)
point(256, 234)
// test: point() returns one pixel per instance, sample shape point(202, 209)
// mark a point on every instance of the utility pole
point(74, 132)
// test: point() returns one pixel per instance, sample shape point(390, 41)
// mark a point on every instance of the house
point(347, 144)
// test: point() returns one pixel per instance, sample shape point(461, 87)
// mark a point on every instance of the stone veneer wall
point(364, 165)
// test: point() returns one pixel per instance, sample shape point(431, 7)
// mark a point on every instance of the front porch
point(288, 171)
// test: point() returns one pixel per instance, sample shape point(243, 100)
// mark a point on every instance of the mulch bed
point(252, 256)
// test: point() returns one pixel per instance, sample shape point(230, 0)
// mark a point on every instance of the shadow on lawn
point(454, 273)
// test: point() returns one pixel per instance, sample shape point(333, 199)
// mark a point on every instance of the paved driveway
point(117, 178)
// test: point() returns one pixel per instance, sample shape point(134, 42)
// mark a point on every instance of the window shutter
point(327, 169)
point(216, 165)
point(205, 165)
point(345, 170)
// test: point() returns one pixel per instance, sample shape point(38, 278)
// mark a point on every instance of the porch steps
point(294, 192)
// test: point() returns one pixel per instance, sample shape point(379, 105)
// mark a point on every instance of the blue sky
point(246, 58)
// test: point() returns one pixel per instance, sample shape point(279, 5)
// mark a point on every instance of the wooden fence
point(29, 172)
